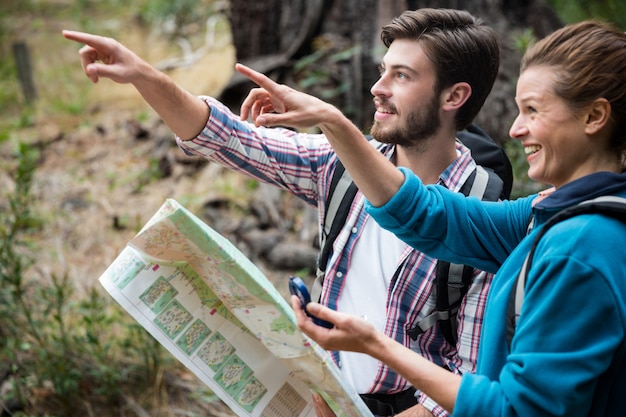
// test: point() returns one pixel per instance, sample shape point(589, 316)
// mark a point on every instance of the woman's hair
point(460, 46)
point(590, 60)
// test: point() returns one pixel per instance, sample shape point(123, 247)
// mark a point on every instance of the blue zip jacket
point(568, 355)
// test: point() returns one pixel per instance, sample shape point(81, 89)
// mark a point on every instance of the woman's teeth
point(531, 149)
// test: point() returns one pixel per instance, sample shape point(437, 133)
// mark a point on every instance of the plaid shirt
point(302, 164)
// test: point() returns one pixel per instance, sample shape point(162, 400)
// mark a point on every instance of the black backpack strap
point(341, 193)
point(453, 280)
point(607, 205)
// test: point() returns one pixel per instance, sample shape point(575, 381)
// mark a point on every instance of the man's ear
point(455, 96)
point(597, 116)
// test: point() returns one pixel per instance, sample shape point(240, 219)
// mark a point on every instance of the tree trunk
point(331, 48)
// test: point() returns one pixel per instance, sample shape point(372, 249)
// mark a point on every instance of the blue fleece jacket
point(568, 355)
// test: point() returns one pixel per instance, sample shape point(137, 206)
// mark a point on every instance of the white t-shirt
point(374, 260)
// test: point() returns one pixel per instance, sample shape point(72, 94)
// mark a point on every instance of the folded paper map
point(214, 310)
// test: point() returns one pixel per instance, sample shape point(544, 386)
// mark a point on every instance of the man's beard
point(421, 125)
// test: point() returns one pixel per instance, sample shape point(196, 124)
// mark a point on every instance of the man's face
point(407, 107)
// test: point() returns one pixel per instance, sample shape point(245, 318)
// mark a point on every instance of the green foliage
point(252, 184)
point(158, 10)
point(153, 173)
point(179, 13)
point(24, 119)
point(523, 40)
point(17, 216)
point(320, 74)
point(137, 178)
point(576, 10)
point(9, 94)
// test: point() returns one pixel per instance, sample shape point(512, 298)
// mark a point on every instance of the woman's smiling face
point(552, 134)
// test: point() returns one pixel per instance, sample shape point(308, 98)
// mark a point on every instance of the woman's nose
point(518, 128)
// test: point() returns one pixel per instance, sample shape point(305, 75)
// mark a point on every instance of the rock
point(292, 255)
point(260, 242)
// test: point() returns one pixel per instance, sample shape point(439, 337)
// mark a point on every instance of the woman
point(568, 354)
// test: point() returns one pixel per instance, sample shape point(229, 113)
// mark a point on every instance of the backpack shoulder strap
point(487, 153)
point(453, 280)
point(341, 193)
point(484, 184)
point(607, 205)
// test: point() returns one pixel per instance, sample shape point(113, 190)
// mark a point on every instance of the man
point(435, 76)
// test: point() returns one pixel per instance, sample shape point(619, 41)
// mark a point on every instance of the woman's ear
point(598, 116)
point(454, 97)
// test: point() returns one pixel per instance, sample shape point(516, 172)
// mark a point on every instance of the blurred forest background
point(83, 167)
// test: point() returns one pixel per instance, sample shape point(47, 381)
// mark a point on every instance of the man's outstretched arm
point(102, 57)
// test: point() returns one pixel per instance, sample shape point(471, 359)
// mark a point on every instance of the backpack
point(487, 153)
point(492, 180)
point(607, 205)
